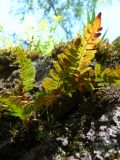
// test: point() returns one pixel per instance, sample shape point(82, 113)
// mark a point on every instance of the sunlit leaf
point(58, 19)
point(97, 69)
point(43, 25)
point(54, 75)
point(50, 84)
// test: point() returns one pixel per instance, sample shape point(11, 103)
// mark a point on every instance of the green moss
point(108, 54)
point(101, 101)
point(9, 54)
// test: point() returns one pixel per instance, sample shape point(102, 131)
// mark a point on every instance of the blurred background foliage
point(68, 13)
point(48, 22)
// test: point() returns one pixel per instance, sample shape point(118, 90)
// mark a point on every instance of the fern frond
point(27, 70)
point(42, 99)
point(107, 75)
point(89, 42)
point(8, 104)
point(16, 107)
point(69, 72)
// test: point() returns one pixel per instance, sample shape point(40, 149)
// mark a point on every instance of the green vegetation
point(108, 54)
point(77, 67)
point(60, 10)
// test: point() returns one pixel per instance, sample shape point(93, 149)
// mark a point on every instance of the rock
point(6, 69)
point(105, 139)
point(64, 141)
point(44, 151)
point(91, 133)
point(42, 65)
point(71, 158)
point(78, 138)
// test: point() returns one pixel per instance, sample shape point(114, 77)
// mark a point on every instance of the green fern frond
point(107, 75)
point(27, 70)
point(14, 106)
point(8, 104)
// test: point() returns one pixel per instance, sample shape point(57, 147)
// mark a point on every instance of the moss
point(9, 55)
point(8, 60)
point(116, 43)
point(101, 101)
point(108, 54)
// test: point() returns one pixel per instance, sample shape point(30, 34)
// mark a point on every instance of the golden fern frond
point(73, 63)
point(89, 41)
point(54, 82)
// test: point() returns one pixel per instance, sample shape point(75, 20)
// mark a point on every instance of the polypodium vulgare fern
point(27, 70)
point(107, 76)
point(18, 101)
point(16, 107)
point(70, 72)
point(74, 70)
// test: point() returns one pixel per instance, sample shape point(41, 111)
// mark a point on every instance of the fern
point(73, 70)
point(18, 102)
point(43, 100)
point(27, 70)
point(107, 75)
point(16, 107)
point(69, 72)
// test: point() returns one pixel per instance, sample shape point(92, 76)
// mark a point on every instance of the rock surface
point(80, 137)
